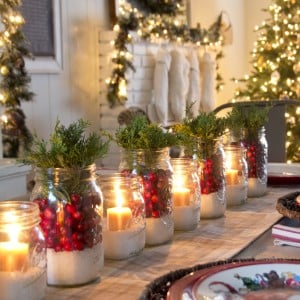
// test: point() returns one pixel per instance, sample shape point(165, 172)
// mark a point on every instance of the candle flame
point(12, 228)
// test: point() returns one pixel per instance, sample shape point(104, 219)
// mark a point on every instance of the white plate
point(264, 280)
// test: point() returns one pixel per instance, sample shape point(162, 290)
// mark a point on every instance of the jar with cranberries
point(255, 142)
point(212, 179)
point(70, 203)
point(154, 171)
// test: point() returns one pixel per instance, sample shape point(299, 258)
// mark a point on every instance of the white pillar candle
point(256, 188)
point(118, 218)
point(159, 230)
point(186, 217)
point(236, 194)
point(231, 176)
point(13, 256)
point(181, 196)
point(122, 244)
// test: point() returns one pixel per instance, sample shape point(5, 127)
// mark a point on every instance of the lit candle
point(231, 177)
point(181, 196)
point(122, 237)
point(118, 218)
point(13, 254)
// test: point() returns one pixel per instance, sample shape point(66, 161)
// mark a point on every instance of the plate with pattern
point(250, 279)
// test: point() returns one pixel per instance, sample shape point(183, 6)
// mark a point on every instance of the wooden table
point(244, 232)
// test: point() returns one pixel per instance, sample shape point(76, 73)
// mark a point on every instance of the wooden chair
point(275, 127)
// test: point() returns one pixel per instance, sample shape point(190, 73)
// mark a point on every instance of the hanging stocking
point(207, 70)
point(178, 84)
point(161, 85)
point(194, 93)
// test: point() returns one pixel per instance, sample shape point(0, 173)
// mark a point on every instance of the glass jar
point(154, 170)
point(70, 203)
point(212, 179)
point(236, 175)
point(124, 228)
point(22, 252)
point(256, 146)
point(186, 194)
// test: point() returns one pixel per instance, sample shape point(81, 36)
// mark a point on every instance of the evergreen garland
point(14, 79)
point(163, 13)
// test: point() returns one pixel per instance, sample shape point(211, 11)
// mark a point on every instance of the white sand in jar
point(236, 194)
point(186, 217)
point(256, 188)
point(159, 230)
point(212, 206)
point(122, 244)
point(29, 285)
point(74, 267)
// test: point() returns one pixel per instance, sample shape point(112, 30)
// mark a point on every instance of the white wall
point(244, 15)
point(74, 92)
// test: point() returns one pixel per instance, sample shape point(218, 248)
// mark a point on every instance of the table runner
point(213, 240)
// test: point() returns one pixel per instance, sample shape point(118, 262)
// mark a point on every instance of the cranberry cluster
point(70, 226)
point(208, 179)
point(157, 192)
point(255, 157)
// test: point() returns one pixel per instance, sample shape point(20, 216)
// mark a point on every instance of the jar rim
point(25, 213)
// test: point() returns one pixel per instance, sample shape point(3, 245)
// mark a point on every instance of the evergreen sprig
point(251, 117)
point(139, 134)
point(200, 134)
point(206, 126)
point(68, 147)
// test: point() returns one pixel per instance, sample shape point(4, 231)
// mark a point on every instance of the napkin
point(286, 235)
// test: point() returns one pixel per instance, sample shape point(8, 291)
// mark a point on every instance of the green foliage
point(206, 126)
point(68, 147)
point(251, 117)
point(139, 134)
point(200, 134)
point(15, 81)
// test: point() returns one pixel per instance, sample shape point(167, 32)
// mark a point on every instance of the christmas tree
point(275, 65)
point(14, 79)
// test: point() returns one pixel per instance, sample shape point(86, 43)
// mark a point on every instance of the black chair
point(275, 127)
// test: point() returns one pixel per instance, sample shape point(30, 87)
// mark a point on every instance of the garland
point(158, 24)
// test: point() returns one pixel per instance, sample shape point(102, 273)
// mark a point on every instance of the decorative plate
point(283, 174)
point(248, 279)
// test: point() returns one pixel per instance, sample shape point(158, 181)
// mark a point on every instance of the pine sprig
point(206, 126)
point(139, 134)
point(252, 117)
point(68, 147)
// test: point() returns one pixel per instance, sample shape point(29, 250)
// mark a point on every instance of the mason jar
point(22, 252)
point(124, 228)
point(236, 175)
point(212, 179)
point(70, 203)
point(154, 171)
point(186, 194)
point(256, 146)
